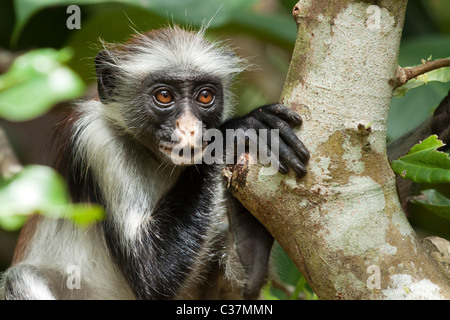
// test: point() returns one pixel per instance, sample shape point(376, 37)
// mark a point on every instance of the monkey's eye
point(205, 97)
point(163, 97)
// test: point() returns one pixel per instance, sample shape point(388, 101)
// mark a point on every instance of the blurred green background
point(260, 30)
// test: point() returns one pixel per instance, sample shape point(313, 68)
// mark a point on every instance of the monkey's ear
point(106, 76)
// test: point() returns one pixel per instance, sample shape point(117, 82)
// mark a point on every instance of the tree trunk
point(342, 224)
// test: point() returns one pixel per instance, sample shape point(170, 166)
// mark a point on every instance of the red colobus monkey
point(171, 231)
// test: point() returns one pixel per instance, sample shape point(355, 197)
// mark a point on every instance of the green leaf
point(29, 191)
point(40, 189)
point(12, 223)
point(25, 9)
point(198, 12)
point(278, 27)
point(83, 214)
point(438, 75)
point(267, 294)
point(35, 82)
point(33, 188)
point(433, 201)
point(299, 287)
point(424, 164)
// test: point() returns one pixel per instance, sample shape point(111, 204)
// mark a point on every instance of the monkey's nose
point(186, 129)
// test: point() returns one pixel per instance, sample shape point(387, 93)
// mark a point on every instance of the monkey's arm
point(252, 241)
point(438, 124)
point(253, 244)
point(159, 260)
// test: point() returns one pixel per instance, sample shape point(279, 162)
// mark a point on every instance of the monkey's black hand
point(292, 153)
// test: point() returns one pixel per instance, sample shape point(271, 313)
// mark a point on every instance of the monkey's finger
point(287, 135)
point(293, 153)
point(288, 156)
point(264, 145)
point(282, 168)
point(264, 141)
point(282, 155)
point(292, 117)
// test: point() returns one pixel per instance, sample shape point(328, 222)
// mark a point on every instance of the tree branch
point(342, 224)
point(403, 75)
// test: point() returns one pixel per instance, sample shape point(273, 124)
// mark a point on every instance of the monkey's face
point(177, 113)
point(166, 88)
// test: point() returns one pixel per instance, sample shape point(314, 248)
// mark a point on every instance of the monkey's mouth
point(183, 154)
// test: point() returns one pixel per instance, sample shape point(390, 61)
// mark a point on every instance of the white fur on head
point(179, 52)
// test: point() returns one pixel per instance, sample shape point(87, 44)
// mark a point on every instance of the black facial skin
point(185, 95)
point(153, 122)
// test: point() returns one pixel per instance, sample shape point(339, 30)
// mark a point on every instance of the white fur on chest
point(131, 183)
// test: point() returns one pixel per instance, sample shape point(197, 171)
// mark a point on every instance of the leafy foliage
point(39, 189)
point(289, 283)
point(35, 82)
point(410, 110)
point(197, 11)
point(423, 163)
point(439, 75)
point(434, 201)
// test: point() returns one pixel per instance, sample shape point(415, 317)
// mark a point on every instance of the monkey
point(171, 231)
point(438, 124)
